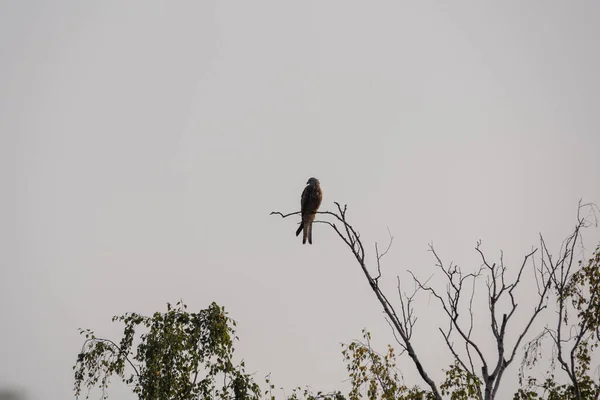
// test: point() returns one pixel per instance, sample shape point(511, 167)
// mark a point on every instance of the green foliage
point(180, 355)
point(551, 390)
point(375, 375)
point(461, 384)
point(584, 292)
point(307, 394)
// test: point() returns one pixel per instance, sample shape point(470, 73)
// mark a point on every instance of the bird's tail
point(306, 226)
point(306, 233)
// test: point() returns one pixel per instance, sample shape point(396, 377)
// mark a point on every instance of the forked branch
point(402, 326)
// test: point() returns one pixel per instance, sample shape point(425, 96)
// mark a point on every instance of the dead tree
point(460, 285)
point(402, 323)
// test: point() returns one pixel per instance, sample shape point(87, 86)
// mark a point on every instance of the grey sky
point(142, 147)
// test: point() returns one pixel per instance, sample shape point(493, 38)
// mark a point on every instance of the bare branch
point(451, 306)
point(380, 256)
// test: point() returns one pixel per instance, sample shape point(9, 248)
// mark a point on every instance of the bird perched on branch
point(309, 204)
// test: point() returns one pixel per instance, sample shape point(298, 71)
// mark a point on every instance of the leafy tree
point(179, 355)
point(376, 375)
point(574, 338)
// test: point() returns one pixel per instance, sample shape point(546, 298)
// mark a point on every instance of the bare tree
point(483, 375)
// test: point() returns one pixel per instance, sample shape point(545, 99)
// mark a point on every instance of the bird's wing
point(305, 198)
point(311, 199)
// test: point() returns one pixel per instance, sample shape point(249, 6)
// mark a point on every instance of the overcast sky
point(142, 147)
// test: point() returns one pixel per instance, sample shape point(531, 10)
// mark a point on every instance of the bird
point(311, 198)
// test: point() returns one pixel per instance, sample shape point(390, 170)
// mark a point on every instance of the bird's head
point(313, 182)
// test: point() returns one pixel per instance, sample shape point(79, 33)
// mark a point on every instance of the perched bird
point(309, 204)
